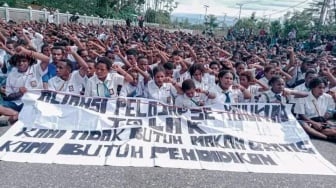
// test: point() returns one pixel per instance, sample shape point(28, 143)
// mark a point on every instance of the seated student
point(193, 96)
point(26, 74)
point(67, 80)
point(136, 87)
point(201, 79)
point(104, 83)
point(161, 88)
point(278, 93)
point(10, 115)
point(254, 86)
point(313, 110)
point(310, 74)
point(226, 92)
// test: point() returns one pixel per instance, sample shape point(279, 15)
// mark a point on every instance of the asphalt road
point(54, 175)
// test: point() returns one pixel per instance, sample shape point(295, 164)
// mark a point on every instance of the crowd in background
point(175, 68)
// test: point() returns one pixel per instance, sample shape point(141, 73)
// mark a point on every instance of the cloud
point(230, 7)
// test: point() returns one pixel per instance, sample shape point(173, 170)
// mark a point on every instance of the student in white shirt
point(27, 74)
point(226, 92)
point(313, 110)
point(161, 88)
point(201, 79)
point(278, 93)
point(310, 74)
point(193, 97)
point(254, 86)
point(67, 80)
point(137, 86)
point(105, 83)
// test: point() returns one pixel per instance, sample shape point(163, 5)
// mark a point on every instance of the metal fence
point(20, 15)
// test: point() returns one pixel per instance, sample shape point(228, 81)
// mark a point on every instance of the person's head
point(21, 62)
point(275, 63)
point(240, 67)
point(103, 67)
point(277, 84)
point(57, 53)
point(226, 78)
point(142, 63)
point(245, 78)
point(269, 71)
point(317, 86)
point(110, 54)
point(83, 53)
point(10, 44)
point(188, 87)
point(132, 56)
point(214, 65)
point(196, 71)
point(45, 49)
point(169, 69)
point(135, 76)
point(91, 68)
point(159, 75)
point(310, 74)
point(63, 68)
point(307, 63)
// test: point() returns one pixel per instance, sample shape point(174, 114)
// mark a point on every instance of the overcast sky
point(273, 8)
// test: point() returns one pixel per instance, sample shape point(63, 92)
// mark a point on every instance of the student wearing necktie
point(226, 92)
point(278, 93)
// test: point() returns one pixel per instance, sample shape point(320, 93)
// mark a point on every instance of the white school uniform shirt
point(264, 80)
point(235, 95)
point(108, 88)
point(31, 79)
point(270, 97)
point(73, 85)
point(129, 90)
point(312, 107)
point(302, 87)
point(255, 93)
point(166, 93)
point(186, 102)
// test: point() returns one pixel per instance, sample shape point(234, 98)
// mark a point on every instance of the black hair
point(214, 63)
point(132, 52)
point(141, 57)
point(68, 63)
point(80, 51)
point(274, 79)
point(58, 48)
point(17, 57)
point(44, 46)
point(188, 84)
point(239, 63)
point(106, 61)
point(224, 72)
point(315, 82)
point(196, 66)
point(168, 66)
point(158, 69)
point(310, 71)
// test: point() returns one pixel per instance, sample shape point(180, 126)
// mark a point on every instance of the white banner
point(67, 129)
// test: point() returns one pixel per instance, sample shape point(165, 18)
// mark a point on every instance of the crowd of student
point(173, 67)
